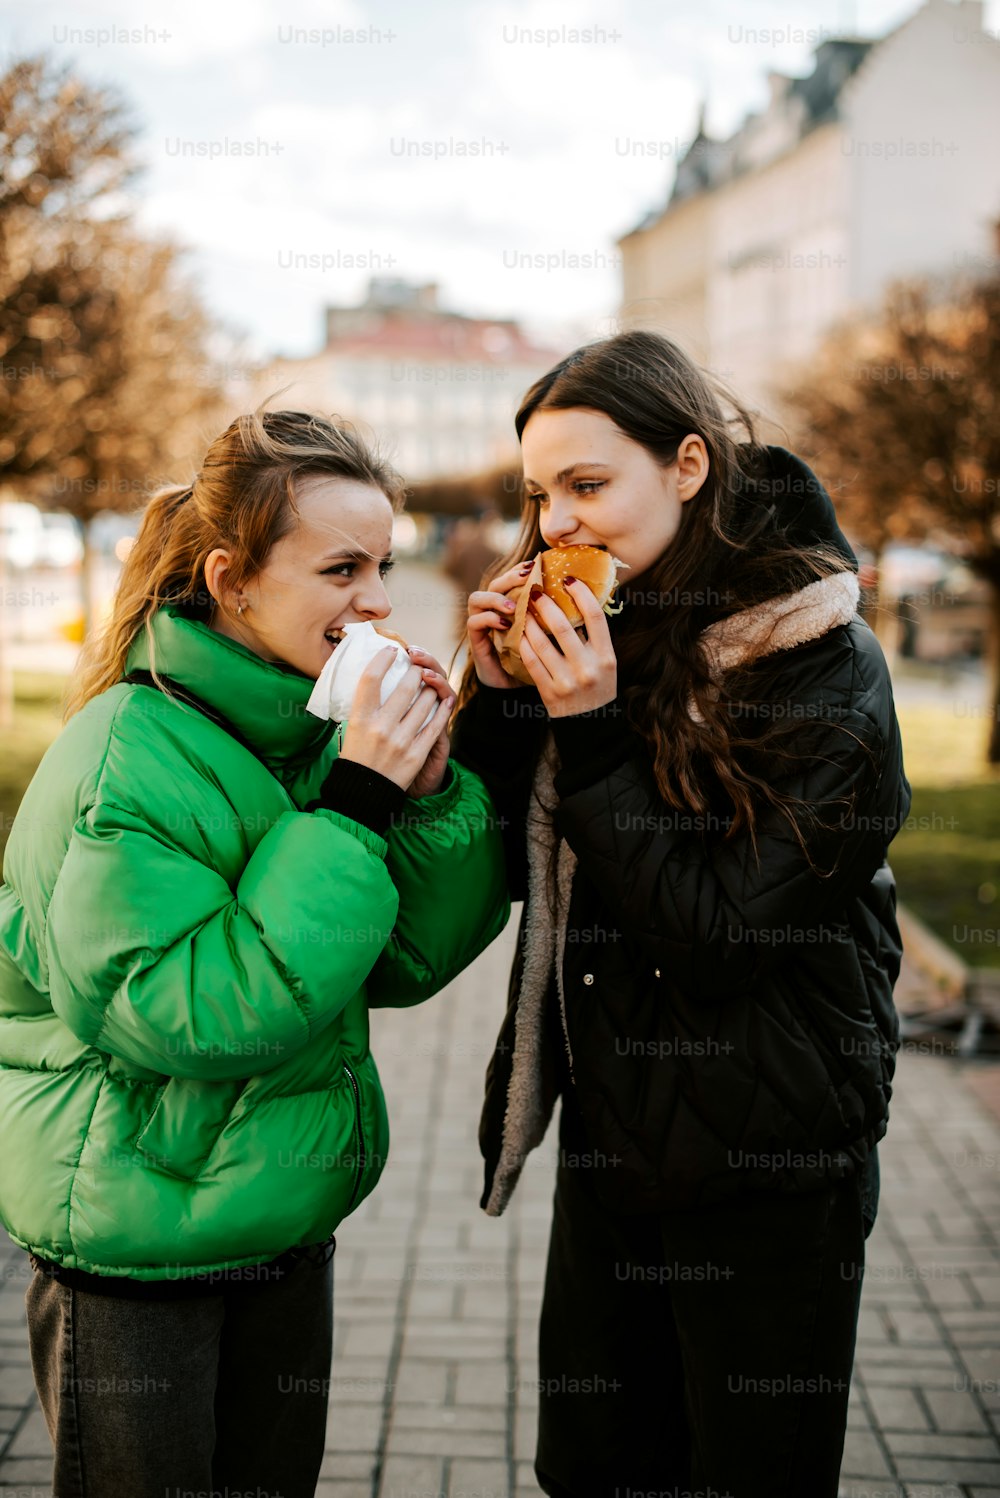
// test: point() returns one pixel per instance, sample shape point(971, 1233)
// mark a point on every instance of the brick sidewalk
point(432, 1390)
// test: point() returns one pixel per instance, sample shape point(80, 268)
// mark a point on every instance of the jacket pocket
point(185, 1123)
point(360, 1152)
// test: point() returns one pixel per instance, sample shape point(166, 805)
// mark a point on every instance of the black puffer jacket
point(728, 1027)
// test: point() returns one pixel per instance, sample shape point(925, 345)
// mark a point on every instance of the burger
point(336, 636)
point(390, 634)
point(588, 564)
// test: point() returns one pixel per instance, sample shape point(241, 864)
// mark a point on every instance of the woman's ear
point(216, 565)
point(692, 466)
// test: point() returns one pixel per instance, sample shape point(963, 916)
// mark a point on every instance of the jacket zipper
point(561, 994)
point(565, 1028)
point(359, 1166)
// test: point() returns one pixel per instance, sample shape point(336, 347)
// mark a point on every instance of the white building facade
point(882, 164)
point(439, 389)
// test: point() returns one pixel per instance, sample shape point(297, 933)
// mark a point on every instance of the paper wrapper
point(337, 683)
point(505, 640)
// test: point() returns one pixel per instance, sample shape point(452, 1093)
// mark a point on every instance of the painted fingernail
point(506, 623)
point(568, 579)
point(510, 607)
point(526, 566)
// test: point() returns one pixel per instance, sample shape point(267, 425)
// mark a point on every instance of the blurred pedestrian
point(469, 554)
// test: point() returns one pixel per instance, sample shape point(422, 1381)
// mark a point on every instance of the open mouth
point(334, 637)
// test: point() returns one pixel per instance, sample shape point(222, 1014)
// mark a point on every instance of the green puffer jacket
point(187, 960)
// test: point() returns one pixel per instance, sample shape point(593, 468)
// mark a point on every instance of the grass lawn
point(37, 720)
point(946, 860)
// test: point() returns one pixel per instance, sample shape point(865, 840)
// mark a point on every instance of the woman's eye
point(346, 569)
point(581, 486)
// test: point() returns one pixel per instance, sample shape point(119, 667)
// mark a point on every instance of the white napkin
point(338, 681)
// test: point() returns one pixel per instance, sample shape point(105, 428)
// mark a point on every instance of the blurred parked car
point(941, 606)
point(61, 543)
point(38, 538)
point(20, 534)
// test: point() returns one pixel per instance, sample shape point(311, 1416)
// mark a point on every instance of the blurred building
point(881, 164)
point(440, 388)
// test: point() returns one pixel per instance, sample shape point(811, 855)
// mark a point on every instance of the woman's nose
point(374, 602)
point(559, 529)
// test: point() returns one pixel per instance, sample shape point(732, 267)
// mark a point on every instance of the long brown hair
point(242, 498)
point(730, 551)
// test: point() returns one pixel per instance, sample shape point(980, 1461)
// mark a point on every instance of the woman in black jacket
point(696, 796)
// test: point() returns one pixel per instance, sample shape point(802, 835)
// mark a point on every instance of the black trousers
point(226, 1392)
point(704, 1353)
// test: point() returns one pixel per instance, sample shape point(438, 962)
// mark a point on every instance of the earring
point(239, 610)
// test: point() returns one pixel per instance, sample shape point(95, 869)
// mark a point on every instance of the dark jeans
point(706, 1352)
point(224, 1390)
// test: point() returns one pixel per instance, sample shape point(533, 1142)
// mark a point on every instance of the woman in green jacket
point(202, 900)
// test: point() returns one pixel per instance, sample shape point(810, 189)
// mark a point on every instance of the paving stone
point(472, 1479)
point(953, 1409)
point(897, 1409)
point(863, 1456)
point(864, 1487)
point(413, 1477)
point(32, 1438)
point(423, 1383)
point(449, 1417)
point(936, 1444)
point(946, 1469)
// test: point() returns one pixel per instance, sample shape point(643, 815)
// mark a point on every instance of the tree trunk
point(6, 669)
point(87, 576)
point(993, 742)
point(882, 616)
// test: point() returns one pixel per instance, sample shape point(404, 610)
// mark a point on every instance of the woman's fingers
point(426, 661)
point(542, 651)
point(594, 617)
point(437, 682)
point(548, 612)
point(437, 723)
point(497, 603)
point(368, 694)
point(483, 622)
point(419, 707)
point(512, 578)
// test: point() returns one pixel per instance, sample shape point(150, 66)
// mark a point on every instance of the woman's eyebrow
point(354, 556)
point(565, 473)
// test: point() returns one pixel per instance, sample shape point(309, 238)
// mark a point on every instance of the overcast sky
point(457, 145)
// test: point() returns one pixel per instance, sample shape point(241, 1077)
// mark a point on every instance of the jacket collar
point(780, 623)
point(265, 701)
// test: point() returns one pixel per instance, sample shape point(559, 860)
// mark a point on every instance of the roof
point(443, 337)
point(801, 103)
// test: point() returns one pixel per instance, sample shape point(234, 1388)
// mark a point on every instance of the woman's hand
point(430, 779)
point(387, 736)
point(488, 610)
point(572, 674)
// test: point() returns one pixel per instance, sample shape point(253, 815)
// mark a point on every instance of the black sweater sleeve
point(499, 734)
point(356, 791)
